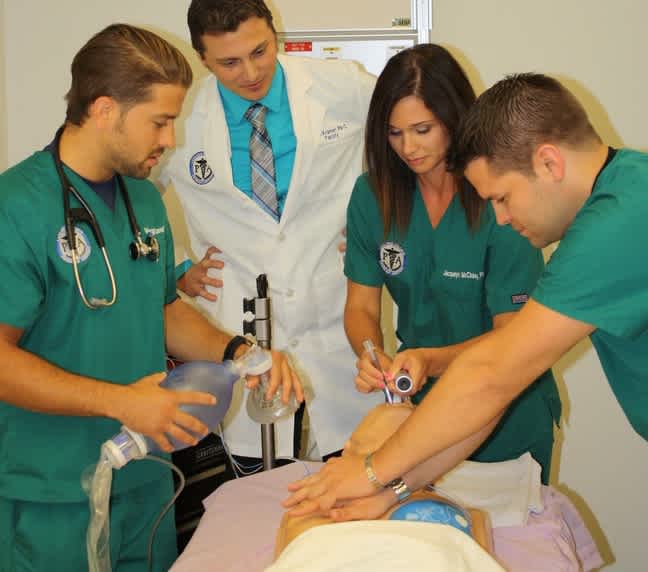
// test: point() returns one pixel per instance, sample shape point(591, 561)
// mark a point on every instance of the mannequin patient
point(376, 427)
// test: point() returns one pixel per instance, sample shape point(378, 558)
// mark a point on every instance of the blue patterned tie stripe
point(262, 168)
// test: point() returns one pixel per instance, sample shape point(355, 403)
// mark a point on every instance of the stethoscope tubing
point(89, 217)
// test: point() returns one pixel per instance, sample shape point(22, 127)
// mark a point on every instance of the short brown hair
point(220, 16)
point(123, 62)
point(512, 118)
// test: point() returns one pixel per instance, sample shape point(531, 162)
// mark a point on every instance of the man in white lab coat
point(315, 120)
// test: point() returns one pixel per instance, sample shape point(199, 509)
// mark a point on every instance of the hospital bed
point(238, 529)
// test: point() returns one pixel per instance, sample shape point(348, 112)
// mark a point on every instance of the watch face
point(400, 488)
point(433, 511)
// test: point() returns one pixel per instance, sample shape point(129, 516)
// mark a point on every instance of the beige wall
point(598, 46)
point(3, 92)
point(599, 49)
point(300, 14)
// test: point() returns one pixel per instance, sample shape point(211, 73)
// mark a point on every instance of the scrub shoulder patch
point(199, 169)
point(392, 258)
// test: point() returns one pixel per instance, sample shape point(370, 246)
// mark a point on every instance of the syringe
point(371, 350)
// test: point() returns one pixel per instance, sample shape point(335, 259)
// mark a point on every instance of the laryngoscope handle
point(403, 381)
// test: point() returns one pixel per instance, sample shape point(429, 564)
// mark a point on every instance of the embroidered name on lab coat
point(334, 133)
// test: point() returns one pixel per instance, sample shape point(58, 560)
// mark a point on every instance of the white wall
point(599, 46)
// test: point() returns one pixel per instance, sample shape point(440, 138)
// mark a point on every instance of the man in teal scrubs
point(528, 146)
point(448, 283)
point(82, 355)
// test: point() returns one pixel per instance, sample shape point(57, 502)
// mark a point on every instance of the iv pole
point(261, 328)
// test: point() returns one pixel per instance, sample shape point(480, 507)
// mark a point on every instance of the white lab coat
point(328, 101)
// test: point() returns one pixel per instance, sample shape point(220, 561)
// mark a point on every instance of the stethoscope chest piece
point(150, 248)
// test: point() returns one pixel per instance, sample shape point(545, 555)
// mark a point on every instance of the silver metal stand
point(261, 329)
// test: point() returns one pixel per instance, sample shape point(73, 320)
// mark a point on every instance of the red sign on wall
point(298, 47)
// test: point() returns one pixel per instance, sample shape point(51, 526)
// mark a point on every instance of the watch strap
point(233, 345)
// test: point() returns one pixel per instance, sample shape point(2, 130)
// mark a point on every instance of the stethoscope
point(138, 248)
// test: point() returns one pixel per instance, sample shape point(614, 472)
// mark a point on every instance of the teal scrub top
point(42, 456)
point(448, 283)
point(599, 275)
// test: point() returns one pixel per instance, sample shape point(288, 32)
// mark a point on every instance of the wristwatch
point(400, 488)
point(235, 343)
point(370, 472)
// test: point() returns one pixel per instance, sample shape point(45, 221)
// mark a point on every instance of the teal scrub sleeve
point(364, 234)
point(513, 267)
point(169, 258)
point(182, 268)
point(21, 277)
point(598, 274)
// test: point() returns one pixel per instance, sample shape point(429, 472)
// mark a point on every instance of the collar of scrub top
point(86, 214)
point(611, 152)
point(235, 106)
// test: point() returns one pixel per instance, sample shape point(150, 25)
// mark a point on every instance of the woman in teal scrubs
point(425, 235)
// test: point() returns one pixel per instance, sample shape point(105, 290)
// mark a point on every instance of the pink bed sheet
point(237, 531)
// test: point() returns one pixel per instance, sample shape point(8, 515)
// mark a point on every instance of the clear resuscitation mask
point(263, 410)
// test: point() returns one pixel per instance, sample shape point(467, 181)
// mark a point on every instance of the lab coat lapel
point(216, 142)
point(307, 116)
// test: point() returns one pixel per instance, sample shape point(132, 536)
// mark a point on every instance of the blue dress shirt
point(279, 124)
